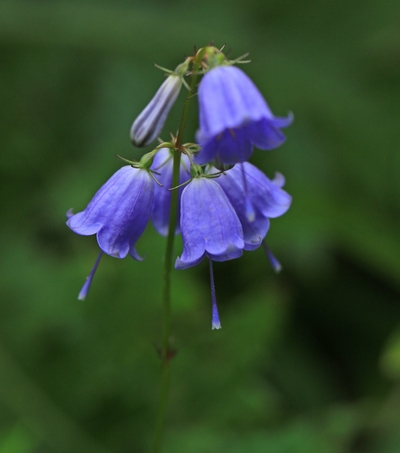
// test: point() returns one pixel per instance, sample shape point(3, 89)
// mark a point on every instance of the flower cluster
point(225, 202)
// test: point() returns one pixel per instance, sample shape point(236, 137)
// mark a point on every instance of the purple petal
point(163, 164)
point(267, 195)
point(265, 135)
point(209, 224)
point(228, 99)
point(279, 180)
point(118, 213)
point(255, 228)
point(255, 199)
point(234, 117)
point(230, 146)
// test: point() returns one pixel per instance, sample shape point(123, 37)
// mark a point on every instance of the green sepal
point(213, 57)
point(196, 170)
point(147, 159)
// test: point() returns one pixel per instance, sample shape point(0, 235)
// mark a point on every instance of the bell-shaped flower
point(162, 167)
point(118, 213)
point(234, 118)
point(247, 186)
point(209, 224)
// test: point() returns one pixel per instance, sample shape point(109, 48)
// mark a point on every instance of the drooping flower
point(210, 228)
point(163, 166)
point(209, 224)
point(234, 118)
point(118, 213)
point(245, 185)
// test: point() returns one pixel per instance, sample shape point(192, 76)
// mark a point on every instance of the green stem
point(189, 96)
point(166, 351)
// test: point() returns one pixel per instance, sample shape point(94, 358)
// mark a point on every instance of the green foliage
point(306, 361)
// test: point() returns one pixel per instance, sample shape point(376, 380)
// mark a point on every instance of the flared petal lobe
point(148, 125)
point(163, 166)
point(209, 224)
point(234, 117)
point(245, 184)
point(118, 213)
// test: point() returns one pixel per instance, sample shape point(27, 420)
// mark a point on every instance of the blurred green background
point(307, 360)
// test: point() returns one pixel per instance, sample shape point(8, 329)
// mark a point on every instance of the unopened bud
point(148, 125)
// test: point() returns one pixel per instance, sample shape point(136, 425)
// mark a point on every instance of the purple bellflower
point(210, 228)
point(245, 185)
point(118, 215)
point(209, 224)
point(162, 166)
point(234, 118)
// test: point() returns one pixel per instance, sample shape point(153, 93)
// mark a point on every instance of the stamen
point(276, 265)
point(85, 288)
point(215, 316)
point(249, 209)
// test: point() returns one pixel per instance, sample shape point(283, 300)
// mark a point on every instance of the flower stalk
point(166, 352)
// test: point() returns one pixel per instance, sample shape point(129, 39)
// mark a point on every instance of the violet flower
point(245, 185)
point(163, 166)
point(210, 227)
point(209, 224)
point(118, 215)
point(234, 118)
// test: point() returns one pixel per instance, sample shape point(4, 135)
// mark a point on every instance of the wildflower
point(148, 125)
point(245, 185)
point(234, 118)
point(117, 214)
point(163, 165)
point(209, 224)
point(210, 227)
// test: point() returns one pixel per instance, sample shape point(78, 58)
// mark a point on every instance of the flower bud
point(148, 125)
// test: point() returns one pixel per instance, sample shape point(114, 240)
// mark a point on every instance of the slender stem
point(166, 351)
point(189, 95)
